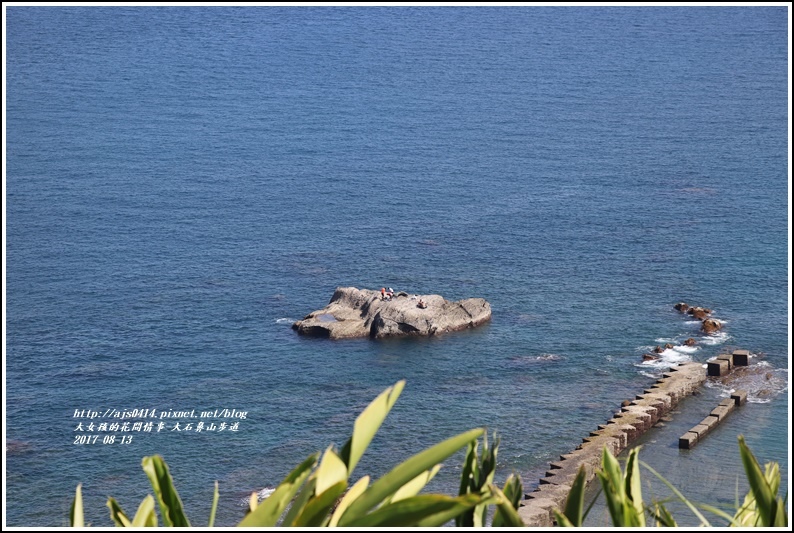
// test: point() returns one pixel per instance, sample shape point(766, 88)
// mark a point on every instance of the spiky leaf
point(367, 424)
point(167, 497)
point(215, 497)
point(268, 512)
point(315, 512)
point(117, 515)
point(351, 495)
point(405, 472)
point(145, 516)
point(76, 510)
point(411, 511)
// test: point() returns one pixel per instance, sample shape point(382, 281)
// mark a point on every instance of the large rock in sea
point(356, 312)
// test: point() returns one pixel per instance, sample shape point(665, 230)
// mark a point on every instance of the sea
point(183, 183)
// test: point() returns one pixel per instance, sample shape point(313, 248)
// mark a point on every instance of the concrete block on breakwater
point(616, 435)
point(741, 357)
point(716, 416)
point(718, 367)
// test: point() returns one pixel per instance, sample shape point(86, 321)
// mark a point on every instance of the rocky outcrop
point(699, 312)
point(356, 312)
point(708, 325)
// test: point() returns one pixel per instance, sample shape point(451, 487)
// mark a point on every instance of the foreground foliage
point(320, 492)
point(762, 507)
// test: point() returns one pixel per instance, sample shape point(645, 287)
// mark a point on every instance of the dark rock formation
point(710, 326)
point(356, 312)
point(699, 312)
point(682, 307)
point(658, 349)
point(690, 342)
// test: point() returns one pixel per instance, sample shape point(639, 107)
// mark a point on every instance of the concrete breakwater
point(717, 415)
point(616, 435)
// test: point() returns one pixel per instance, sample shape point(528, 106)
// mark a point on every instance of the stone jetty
point(616, 435)
point(356, 312)
point(717, 415)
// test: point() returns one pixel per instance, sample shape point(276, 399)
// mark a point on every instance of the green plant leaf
point(574, 504)
point(411, 511)
point(268, 512)
point(405, 472)
point(514, 491)
point(781, 519)
point(413, 487)
point(315, 512)
point(367, 424)
point(633, 486)
point(703, 521)
point(612, 484)
point(485, 478)
point(76, 510)
point(468, 482)
point(504, 508)
point(662, 516)
point(441, 518)
point(718, 512)
point(145, 516)
point(330, 472)
point(299, 502)
point(171, 509)
point(117, 515)
point(772, 476)
point(215, 497)
point(469, 468)
point(355, 491)
point(764, 498)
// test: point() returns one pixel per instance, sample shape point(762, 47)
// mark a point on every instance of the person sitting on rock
point(383, 293)
point(421, 304)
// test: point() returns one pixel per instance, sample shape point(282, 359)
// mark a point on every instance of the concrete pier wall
point(616, 434)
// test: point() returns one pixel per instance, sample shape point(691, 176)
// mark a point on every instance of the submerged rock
point(356, 312)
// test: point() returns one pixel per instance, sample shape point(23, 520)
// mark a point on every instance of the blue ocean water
point(183, 183)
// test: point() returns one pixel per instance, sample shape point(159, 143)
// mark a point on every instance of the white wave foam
point(692, 322)
point(260, 495)
point(284, 321)
point(716, 338)
point(666, 359)
point(686, 349)
point(662, 340)
point(264, 493)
